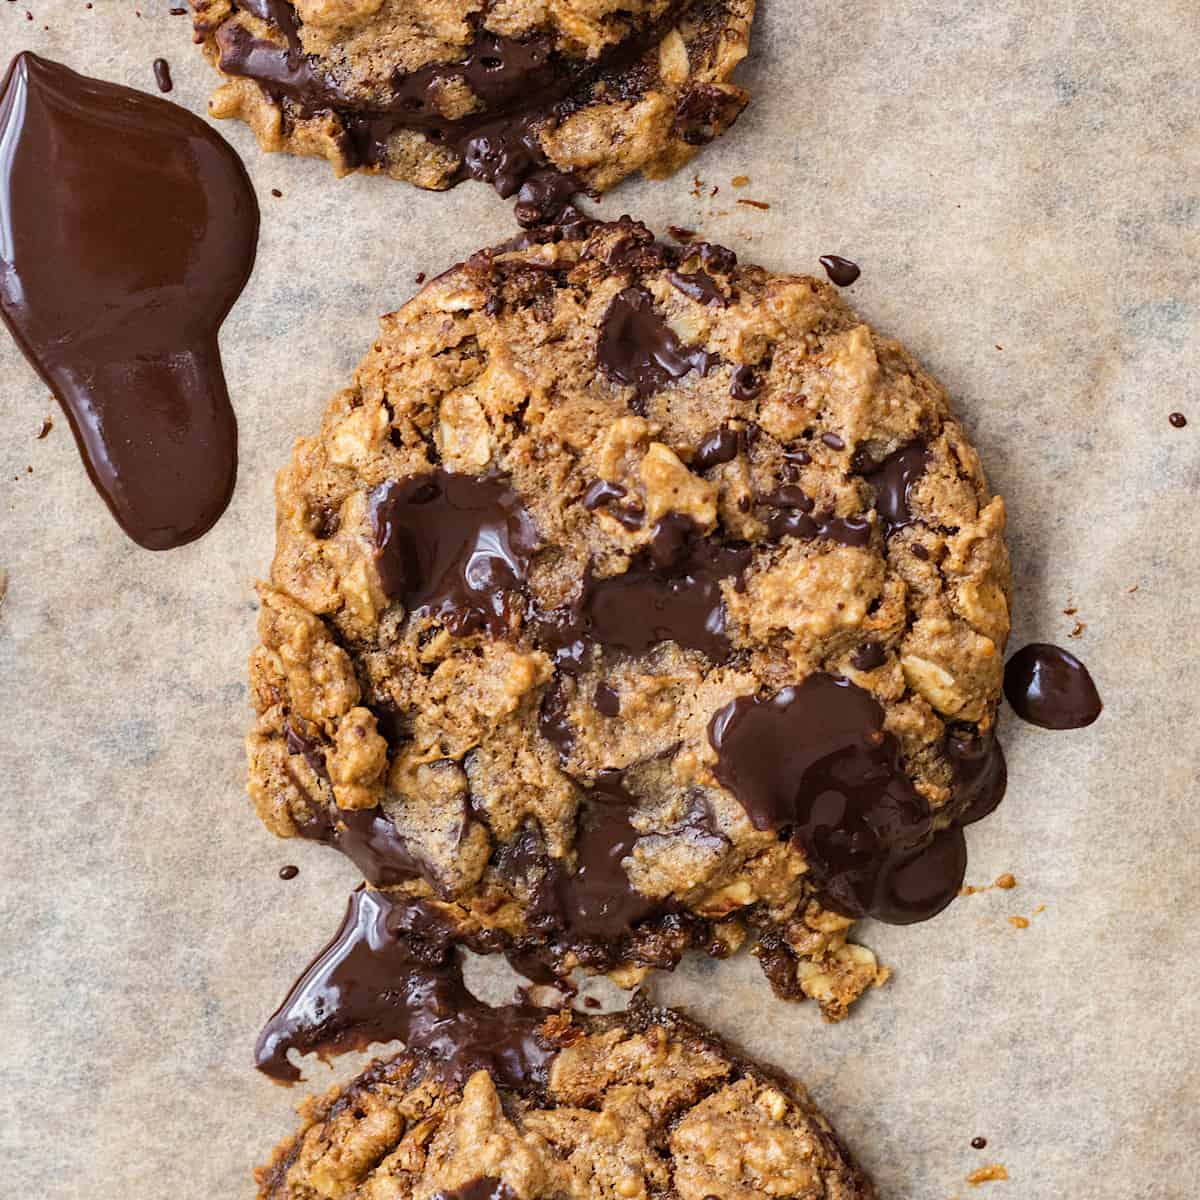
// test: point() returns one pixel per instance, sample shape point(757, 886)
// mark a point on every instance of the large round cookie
point(510, 91)
point(637, 1105)
point(630, 600)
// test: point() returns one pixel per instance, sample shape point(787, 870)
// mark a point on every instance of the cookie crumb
point(761, 204)
point(277, 193)
point(1006, 881)
point(47, 425)
point(993, 1174)
point(739, 181)
point(1019, 922)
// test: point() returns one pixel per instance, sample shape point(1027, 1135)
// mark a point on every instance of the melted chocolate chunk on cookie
point(698, 286)
point(815, 759)
point(455, 547)
point(671, 592)
point(980, 773)
point(596, 899)
point(129, 229)
point(608, 496)
point(390, 972)
point(893, 479)
point(639, 349)
point(720, 446)
point(1048, 686)
point(486, 1187)
point(788, 511)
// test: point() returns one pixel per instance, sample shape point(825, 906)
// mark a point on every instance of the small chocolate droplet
point(162, 75)
point(979, 1143)
point(833, 441)
point(840, 270)
point(1178, 420)
point(1050, 687)
point(288, 872)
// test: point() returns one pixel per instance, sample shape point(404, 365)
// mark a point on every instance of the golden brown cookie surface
point(631, 599)
point(642, 1104)
point(512, 92)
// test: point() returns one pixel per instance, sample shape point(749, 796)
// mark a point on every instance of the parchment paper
point(1021, 184)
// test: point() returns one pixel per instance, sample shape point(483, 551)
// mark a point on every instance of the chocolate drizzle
point(815, 759)
point(638, 348)
point(129, 229)
point(1048, 686)
point(893, 479)
point(456, 547)
point(391, 972)
point(671, 592)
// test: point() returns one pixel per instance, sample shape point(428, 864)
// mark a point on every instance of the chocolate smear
point(391, 972)
point(719, 446)
point(129, 229)
point(638, 348)
point(814, 759)
point(1050, 687)
point(788, 511)
point(841, 271)
point(456, 547)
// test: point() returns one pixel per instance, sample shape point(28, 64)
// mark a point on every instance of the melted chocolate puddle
point(128, 230)
point(1048, 686)
point(638, 348)
point(454, 546)
point(390, 972)
point(815, 759)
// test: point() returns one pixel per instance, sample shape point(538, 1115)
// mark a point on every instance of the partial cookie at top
point(556, 96)
point(631, 599)
point(641, 1104)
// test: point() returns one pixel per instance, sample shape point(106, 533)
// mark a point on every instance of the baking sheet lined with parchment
point(1022, 190)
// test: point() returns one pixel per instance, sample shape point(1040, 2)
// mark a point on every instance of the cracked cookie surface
point(630, 600)
point(636, 1105)
point(552, 95)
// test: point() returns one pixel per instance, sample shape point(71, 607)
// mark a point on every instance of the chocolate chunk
point(117, 300)
point(893, 479)
point(456, 547)
point(703, 112)
point(788, 511)
point(815, 759)
point(162, 75)
point(1050, 687)
point(390, 972)
point(606, 701)
point(637, 348)
point(744, 384)
point(305, 745)
point(605, 495)
point(720, 446)
point(868, 657)
point(487, 1187)
point(841, 271)
point(698, 286)
point(833, 441)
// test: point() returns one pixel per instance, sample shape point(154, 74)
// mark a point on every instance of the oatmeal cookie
point(631, 599)
point(640, 1104)
point(544, 97)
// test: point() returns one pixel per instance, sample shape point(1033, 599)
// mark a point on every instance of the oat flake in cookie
point(629, 600)
point(641, 1104)
point(544, 97)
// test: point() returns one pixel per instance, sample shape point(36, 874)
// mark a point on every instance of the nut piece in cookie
point(638, 1104)
point(539, 99)
point(630, 600)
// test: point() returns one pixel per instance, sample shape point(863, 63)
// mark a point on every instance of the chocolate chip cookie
point(629, 600)
point(543, 97)
point(640, 1104)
